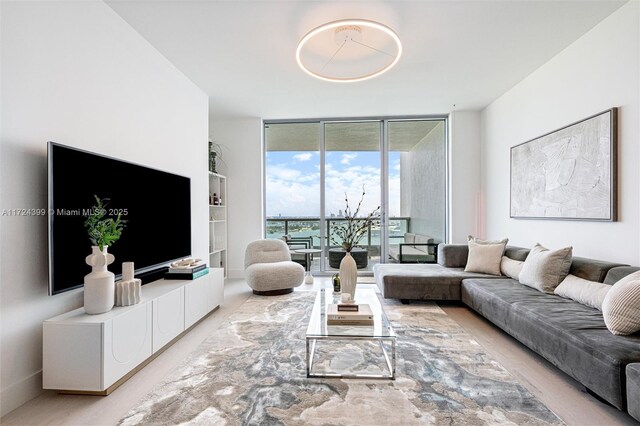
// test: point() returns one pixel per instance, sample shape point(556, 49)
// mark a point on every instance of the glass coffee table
point(381, 332)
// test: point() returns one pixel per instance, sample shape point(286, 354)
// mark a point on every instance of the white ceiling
point(468, 53)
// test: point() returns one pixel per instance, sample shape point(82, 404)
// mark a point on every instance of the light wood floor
point(560, 393)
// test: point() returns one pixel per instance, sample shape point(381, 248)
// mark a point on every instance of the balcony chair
point(269, 270)
point(296, 243)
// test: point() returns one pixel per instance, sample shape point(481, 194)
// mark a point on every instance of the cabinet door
point(216, 287)
point(127, 340)
point(197, 296)
point(168, 317)
point(72, 356)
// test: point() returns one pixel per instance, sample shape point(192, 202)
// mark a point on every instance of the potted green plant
point(99, 284)
point(347, 234)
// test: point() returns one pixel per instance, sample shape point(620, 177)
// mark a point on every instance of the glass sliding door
point(352, 167)
point(292, 187)
point(417, 201)
point(399, 164)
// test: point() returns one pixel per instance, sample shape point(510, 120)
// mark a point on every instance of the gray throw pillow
point(485, 256)
point(511, 268)
point(620, 308)
point(585, 292)
point(545, 269)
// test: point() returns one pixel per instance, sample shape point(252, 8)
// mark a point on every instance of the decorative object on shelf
point(569, 173)
point(348, 50)
point(128, 291)
point(336, 283)
point(99, 285)
point(215, 154)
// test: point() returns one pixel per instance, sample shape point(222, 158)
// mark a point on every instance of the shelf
point(217, 221)
point(216, 251)
point(212, 205)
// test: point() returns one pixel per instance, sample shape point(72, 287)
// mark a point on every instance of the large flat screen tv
point(155, 204)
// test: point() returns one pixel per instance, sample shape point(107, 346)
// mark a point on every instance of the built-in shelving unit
point(218, 221)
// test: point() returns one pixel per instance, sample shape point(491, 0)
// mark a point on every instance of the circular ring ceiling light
point(348, 50)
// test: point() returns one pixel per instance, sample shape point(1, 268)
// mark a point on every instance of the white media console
point(94, 354)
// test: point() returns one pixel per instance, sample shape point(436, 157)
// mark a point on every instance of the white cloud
point(346, 158)
point(302, 157)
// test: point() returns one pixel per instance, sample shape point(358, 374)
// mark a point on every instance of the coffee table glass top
point(318, 327)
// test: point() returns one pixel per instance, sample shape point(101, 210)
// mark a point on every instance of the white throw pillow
point(511, 268)
point(545, 269)
point(621, 306)
point(585, 292)
point(485, 256)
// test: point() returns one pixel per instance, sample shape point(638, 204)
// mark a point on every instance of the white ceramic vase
point(99, 285)
point(348, 275)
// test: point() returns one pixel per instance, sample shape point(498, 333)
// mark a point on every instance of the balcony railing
point(310, 226)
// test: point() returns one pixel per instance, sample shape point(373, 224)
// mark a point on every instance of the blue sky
point(293, 181)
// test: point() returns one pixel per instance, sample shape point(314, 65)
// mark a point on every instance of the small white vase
point(99, 285)
point(348, 275)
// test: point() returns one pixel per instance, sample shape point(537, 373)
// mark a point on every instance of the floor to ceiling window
point(312, 167)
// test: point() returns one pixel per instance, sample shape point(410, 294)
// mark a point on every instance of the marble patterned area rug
point(251, 371)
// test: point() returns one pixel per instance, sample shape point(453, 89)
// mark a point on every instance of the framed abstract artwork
point(568, 174)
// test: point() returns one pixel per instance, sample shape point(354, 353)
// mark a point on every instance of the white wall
point(76, 73)
point(598, 71)
point(423, 172)
point(242, 155)
point(464, 175)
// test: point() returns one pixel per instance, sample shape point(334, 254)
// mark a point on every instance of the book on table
point(187, 275)
point(187, 269)
point(363, 316)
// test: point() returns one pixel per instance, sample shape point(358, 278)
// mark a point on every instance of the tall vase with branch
point(347, 234)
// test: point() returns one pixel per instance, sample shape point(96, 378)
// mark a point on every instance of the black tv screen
point(155, 204)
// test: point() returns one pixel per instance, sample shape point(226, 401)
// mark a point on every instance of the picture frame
point(569, 173)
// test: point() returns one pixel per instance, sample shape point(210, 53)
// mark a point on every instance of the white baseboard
point(235, 273)
point(17, 394)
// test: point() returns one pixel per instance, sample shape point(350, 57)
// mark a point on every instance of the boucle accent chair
point(269, 270)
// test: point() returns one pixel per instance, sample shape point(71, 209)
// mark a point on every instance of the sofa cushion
point(585, 292)
point(511, 268)
point(633, 390)
point(421, 282)
point(485, 256)
point(571, 336)
point(590, 269)
point(544, 269)
point(516, 253)
point(621, 306)
point(616, 273)
point(453, 255)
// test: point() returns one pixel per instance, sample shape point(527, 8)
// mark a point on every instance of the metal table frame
point(383, 341)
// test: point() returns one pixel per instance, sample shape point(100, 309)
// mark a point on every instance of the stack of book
point(189, 271)
point(346, 314)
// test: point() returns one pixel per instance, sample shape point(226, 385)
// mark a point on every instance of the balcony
point(304, 227)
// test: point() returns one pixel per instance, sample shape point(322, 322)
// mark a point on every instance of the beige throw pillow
point(485, 256)
point(585, 292)
point(621, 306)
point(511, 268)
point(545, 269)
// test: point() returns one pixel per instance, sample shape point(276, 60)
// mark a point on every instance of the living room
point(151, 83)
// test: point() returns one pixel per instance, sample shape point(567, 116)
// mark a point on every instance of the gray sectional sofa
point(573, 337)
